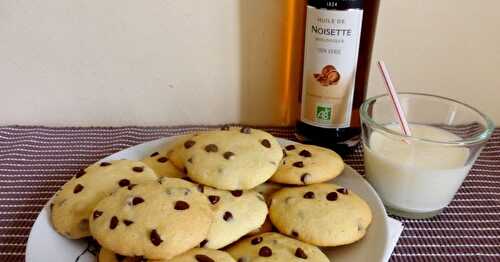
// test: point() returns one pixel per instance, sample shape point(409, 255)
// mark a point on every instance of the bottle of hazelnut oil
point(337, 52)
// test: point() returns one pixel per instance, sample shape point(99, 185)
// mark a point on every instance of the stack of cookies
point(226, 195)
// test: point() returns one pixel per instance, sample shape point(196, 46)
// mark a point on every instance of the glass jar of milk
point(418, 176)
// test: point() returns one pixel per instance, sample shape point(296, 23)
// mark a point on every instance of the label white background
point(339, 95)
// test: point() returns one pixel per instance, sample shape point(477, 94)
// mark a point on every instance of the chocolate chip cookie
point(159, 162)
point(230, 158)
point(236, 214)
point(308, 164)
point(156, 220)
point(203, 255)
point(275, 247)
point(320, 214)
point(73, 204)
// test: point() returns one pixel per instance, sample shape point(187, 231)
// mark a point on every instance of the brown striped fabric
point(36, 161)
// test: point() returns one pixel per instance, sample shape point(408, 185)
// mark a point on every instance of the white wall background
point(168, 62)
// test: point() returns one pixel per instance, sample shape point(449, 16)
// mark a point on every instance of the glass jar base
point(412, 215)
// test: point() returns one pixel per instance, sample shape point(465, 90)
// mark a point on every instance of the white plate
point(44, 244)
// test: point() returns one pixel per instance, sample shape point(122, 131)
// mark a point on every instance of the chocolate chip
point(295, 234)
point(305, 153)
point(119, 257)
point(299, 252)
point(246, 130)
point(128, 222)
point(131, 186)
point(304, 176)
point(137, 200)
point(105, 164)
point(201, 188)
point(256, 240)
point(265, 251)
point(299, 164)
point(113, 223)
point(237, 193)
point(203, 243)
point(211, 148)
point(138, 169)
point(227, 216)
point(96, 214)
point(155, 238)
point(213, 199)
point(162, 159)
point(78, 188)
point(124, 182)
point(225, 128)
point(188, 144)
point(181, 205)
point(290, 147)
point(203, 258)
point(190, 160)
point(332, 196)
point(80, 173)
point(154, 154)
point(228, 155)
point(343, 191)
point(284, 153)
point(266, 143)
point(185, 170)
point(309, 195)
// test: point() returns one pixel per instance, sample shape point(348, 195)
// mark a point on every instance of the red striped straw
point(395, 100)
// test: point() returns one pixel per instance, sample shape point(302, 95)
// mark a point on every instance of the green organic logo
point(323, 113)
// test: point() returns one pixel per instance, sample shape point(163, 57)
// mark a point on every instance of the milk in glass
point(415, 176)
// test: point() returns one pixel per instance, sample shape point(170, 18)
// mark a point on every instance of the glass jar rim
point(479, 138)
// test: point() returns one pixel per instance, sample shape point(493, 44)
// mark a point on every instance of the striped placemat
point(36, 161)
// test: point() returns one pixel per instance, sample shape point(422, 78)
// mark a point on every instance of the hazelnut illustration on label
point(328, 76)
